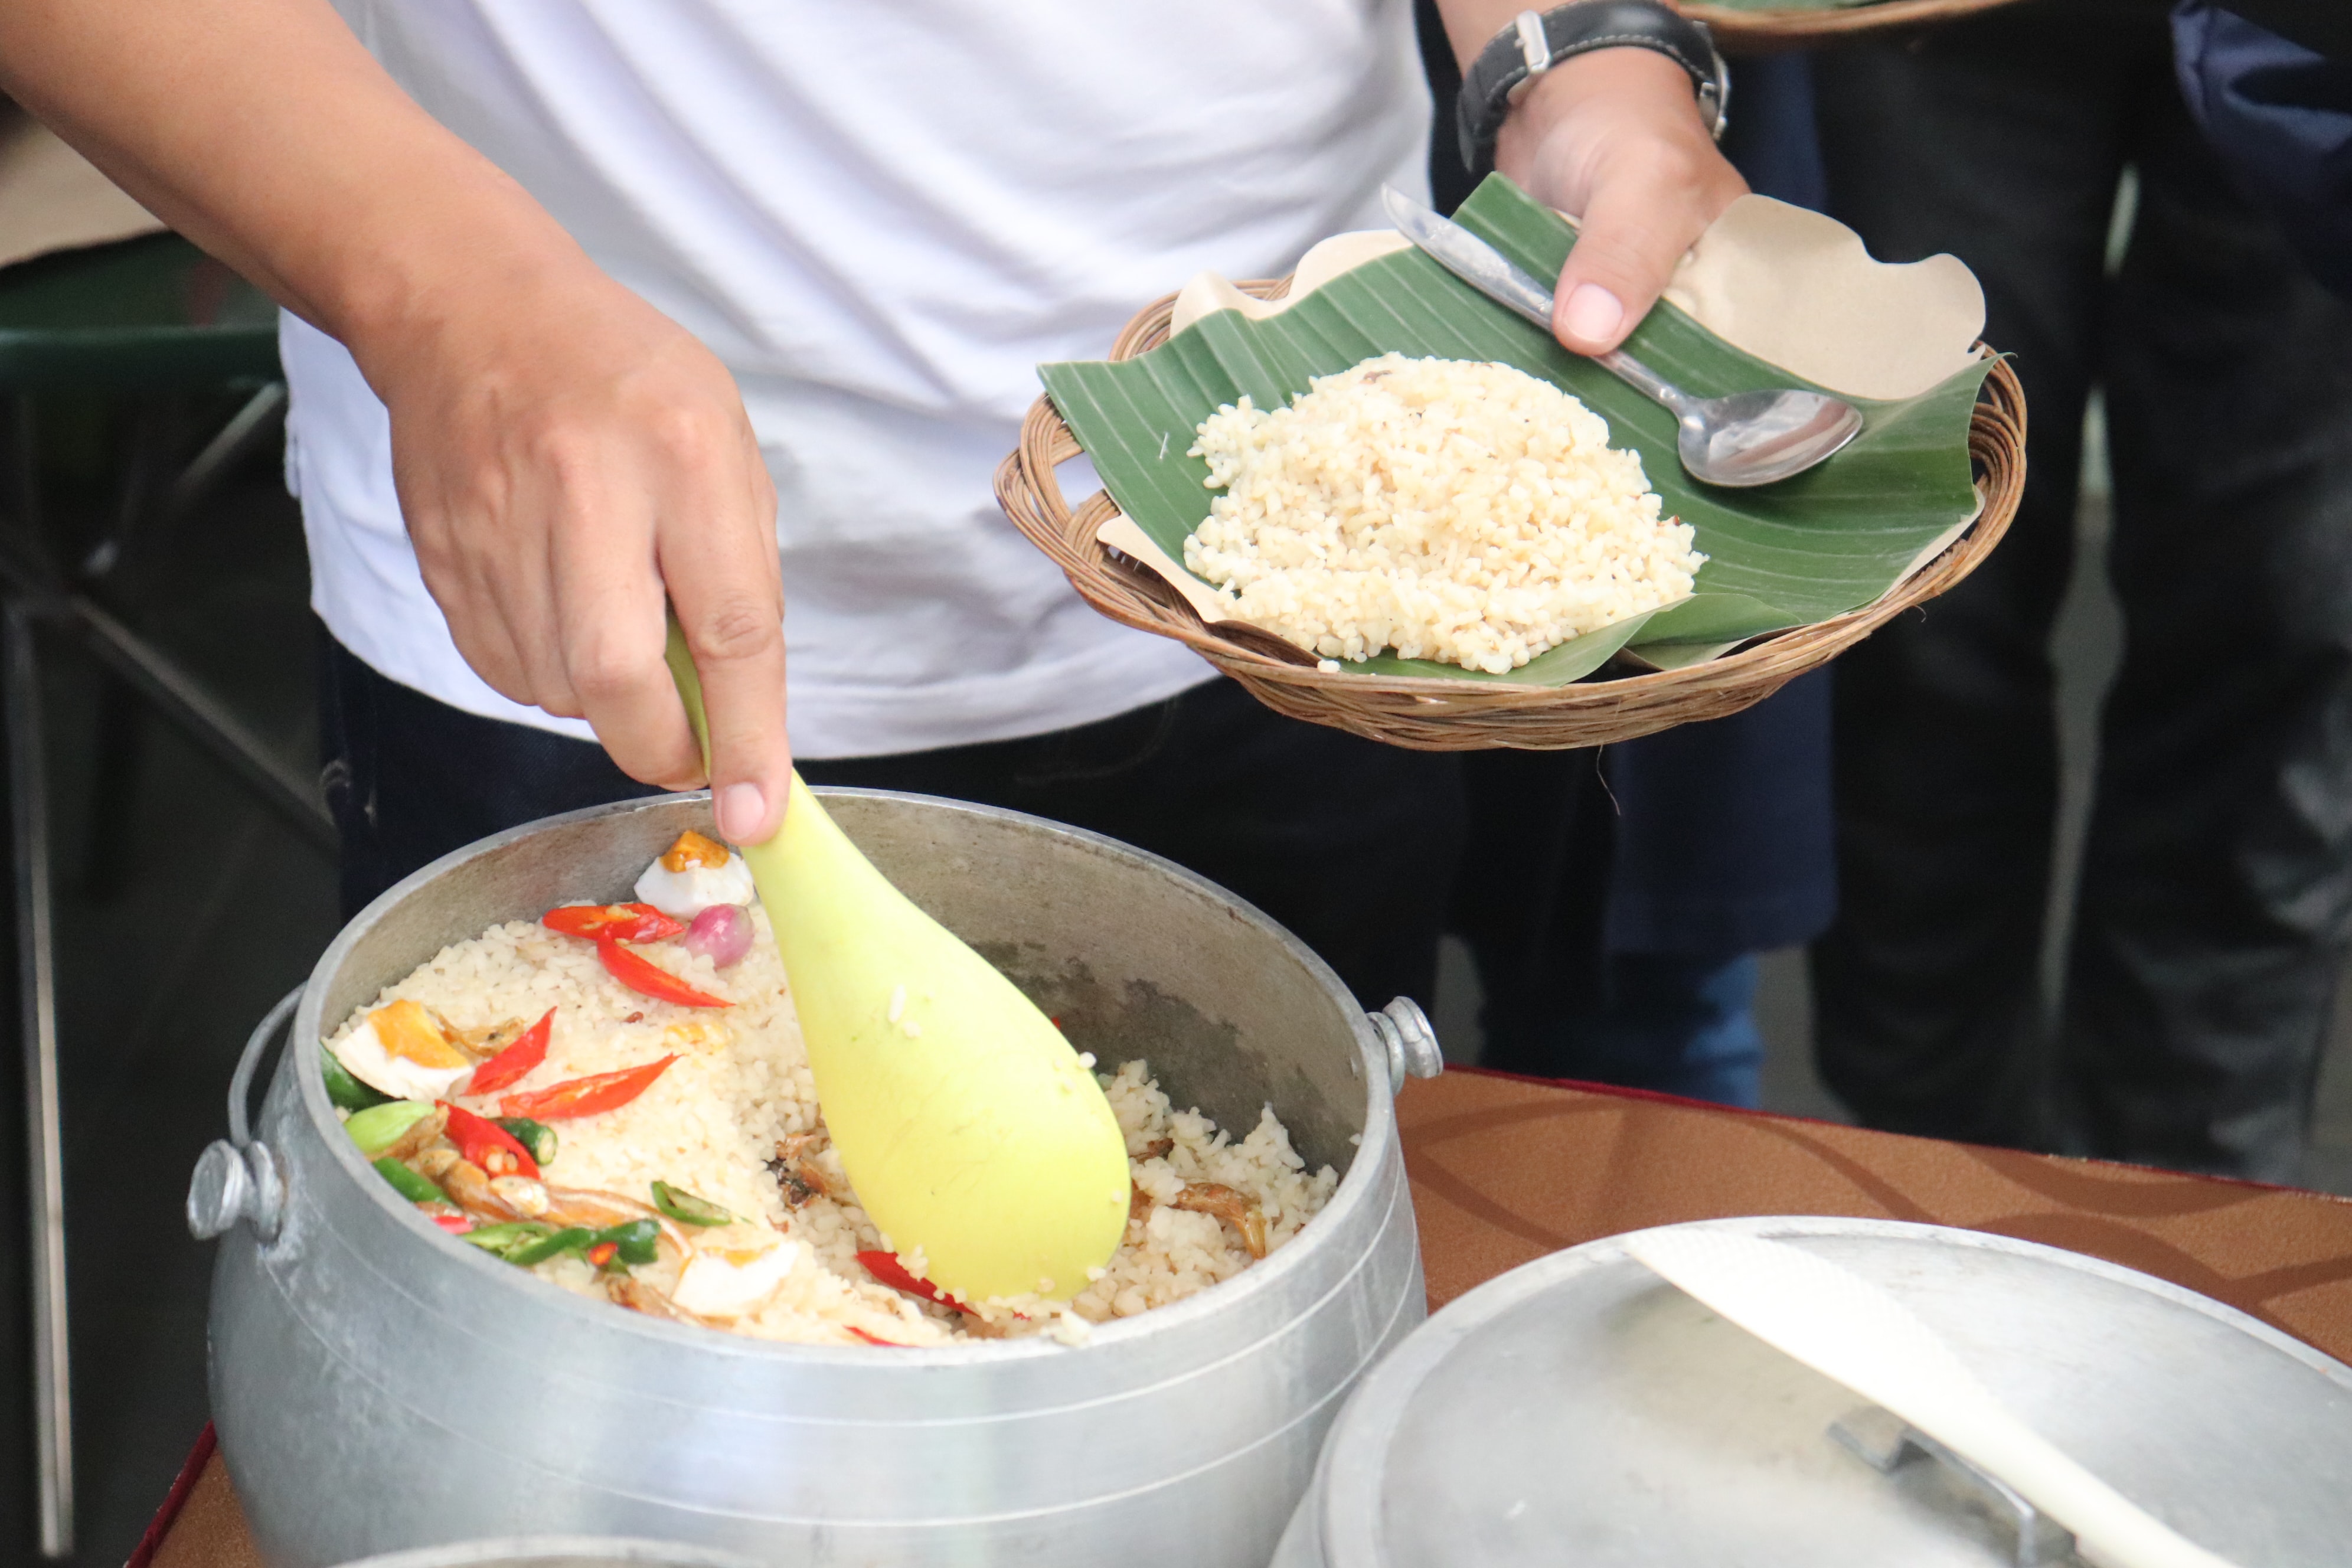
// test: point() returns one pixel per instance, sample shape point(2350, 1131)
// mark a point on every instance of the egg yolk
point(405, 1030)
point(693, 849)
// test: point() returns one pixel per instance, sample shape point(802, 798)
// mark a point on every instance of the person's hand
point(566, 454)
point(1613, 138)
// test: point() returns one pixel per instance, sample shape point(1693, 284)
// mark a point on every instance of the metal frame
point(37, 1021)
point(34, 591)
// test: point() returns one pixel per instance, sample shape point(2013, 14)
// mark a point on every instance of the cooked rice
point(742, 1085)
point(1464, 512)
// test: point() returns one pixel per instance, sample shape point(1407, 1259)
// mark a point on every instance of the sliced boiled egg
point(401, 1051)
point(733, 1277)
point(694, 874)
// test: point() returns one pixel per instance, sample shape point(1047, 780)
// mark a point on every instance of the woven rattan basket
point(1739, 30)
point(1437, 715)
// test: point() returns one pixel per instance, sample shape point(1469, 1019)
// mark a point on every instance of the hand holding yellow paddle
point(970, 1128)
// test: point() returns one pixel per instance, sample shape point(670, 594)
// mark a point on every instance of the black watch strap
point(1537, 41)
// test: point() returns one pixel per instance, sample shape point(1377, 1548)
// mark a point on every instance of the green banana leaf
point(1829, 540)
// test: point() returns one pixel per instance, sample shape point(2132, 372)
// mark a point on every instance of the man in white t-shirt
point(592, 302)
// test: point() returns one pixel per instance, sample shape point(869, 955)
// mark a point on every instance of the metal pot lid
point(556, 1551)
point(1580, 1410)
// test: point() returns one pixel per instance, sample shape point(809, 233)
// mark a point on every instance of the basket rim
point(1029, 489)
point(1736, 27)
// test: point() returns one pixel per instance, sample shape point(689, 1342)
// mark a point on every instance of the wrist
point(1607, 81)
point(438, 266)
point(1617, 120)
point(1540, 50)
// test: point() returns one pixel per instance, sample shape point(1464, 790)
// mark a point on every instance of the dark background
point(184, 911)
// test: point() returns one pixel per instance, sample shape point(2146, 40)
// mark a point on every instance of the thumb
point(1632, 237)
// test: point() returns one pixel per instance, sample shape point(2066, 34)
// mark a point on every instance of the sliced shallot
point(722, 933)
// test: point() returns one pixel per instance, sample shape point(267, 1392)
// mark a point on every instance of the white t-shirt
point(882, 215)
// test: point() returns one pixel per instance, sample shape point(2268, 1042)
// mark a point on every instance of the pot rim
point(1353, 1191)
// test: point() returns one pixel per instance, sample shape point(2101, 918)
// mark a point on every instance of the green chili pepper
point(525, 1243)
point(506, 1240)
point(378, 1127)
point(681, 1205)
point(638, 1241)
point(409, 1184)
point(348, 1093)
point(535, 1136)
point(571, 1239)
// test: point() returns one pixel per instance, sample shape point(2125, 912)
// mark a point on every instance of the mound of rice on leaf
point(706, 1189)
point(1446, 510)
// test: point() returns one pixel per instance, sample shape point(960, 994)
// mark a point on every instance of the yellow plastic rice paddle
point(975, 1138)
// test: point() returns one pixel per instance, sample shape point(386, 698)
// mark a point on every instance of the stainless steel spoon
point(1747, 439)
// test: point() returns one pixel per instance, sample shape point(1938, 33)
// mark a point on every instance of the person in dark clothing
point(2216, 893)
point(1614, 901)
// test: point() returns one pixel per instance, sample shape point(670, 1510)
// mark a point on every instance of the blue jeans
point(1674, 1022)
point(1613, 903)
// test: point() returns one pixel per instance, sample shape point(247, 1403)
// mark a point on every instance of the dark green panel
point(144, 315)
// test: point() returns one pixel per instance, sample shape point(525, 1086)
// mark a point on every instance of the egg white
point(712, 1285)
point(363, 1057)
point(682, 895)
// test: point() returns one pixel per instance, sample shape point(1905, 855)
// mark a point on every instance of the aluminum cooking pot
point(378, 1385)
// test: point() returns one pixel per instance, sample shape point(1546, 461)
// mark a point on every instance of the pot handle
point(1885, 1442)
point(237, 1178)
point(1412, 1043)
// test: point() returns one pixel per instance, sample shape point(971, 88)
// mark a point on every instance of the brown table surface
point(1504, 1170)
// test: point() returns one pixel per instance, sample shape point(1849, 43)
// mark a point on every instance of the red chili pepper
point(482, 1141)
point(603, 1252)
point(455, 1224)
point(585, 1096)
point(873, 1339)
point(616, 922)
point(646, 978)
point(885, 1266)
point(516, 1059)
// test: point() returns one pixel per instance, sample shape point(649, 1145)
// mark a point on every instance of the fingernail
point(1593, 313)
point(738, 808)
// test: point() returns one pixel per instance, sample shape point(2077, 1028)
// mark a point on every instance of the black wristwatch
point(1537, 41)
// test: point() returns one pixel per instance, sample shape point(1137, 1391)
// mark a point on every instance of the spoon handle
point(1468, 257)
point(1643, 379)
point(1494, 275)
